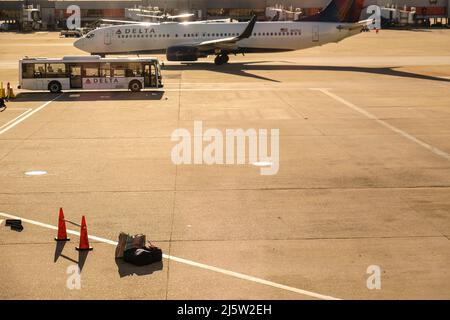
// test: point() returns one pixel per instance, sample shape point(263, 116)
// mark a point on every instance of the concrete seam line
point(406, 135)
point(191, 263)
point(12, 125)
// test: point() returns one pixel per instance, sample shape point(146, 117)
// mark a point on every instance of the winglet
point(249, 29)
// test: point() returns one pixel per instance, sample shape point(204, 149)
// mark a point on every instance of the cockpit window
point(90, 35)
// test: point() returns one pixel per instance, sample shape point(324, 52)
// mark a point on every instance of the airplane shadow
point(243, 69)
point(90, 96)
point(127, 269)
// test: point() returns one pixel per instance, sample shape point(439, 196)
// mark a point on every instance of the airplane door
point(107, 37)
point(315, 33)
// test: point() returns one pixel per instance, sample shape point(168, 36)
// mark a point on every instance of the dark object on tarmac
point(15, 224)
point(143, 256)
point(17, 227)
point(10, 222)
point(2, 104)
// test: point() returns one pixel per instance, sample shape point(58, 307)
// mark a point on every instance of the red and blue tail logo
point(339, 11)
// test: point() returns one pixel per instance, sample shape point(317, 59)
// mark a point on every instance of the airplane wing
point(163, 17)
point(226, 43)
point(149, 16)
point(184, 15)
point(356, 25)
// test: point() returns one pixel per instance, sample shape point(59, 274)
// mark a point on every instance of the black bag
point(142, 256)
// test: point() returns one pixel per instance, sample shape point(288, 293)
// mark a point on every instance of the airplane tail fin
point(354, 13)
point(339, 11)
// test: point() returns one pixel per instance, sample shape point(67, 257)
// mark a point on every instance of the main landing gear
point(221, 59)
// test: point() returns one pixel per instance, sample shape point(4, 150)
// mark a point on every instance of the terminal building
point(54, 12)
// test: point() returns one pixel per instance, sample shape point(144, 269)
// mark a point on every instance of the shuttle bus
point(89, 73)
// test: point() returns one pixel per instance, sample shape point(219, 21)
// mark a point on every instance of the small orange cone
point(62, 233)
point(84, 241)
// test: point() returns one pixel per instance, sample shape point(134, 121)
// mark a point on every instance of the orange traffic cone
point(84, 241)
point(62, 233)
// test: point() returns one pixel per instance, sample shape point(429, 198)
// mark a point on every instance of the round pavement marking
point(36, 173)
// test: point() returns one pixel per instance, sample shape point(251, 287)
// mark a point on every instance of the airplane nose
point(80, 44)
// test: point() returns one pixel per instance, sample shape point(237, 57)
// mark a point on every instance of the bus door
point(107, 37)
point(75, 77)
point(150, 76)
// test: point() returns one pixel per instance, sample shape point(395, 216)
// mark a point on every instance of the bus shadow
point(90, 96)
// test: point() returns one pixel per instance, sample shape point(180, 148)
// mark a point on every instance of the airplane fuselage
point(265, 37)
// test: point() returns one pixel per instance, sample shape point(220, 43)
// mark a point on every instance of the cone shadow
point(127, 269)
point(59, 249)
point(82, 256)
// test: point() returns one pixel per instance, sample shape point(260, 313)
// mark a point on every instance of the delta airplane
point(188, 41)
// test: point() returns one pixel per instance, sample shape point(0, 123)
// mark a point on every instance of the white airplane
point(189, 41)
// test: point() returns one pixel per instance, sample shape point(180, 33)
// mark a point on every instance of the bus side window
point(105, 69)
point(129, 73)
point(134, 69)
point(118, 69)
point(27, 71)
point(56, 70)
point(91, 70)
point(39, 70)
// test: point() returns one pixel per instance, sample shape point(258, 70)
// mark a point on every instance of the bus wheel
point(54, 87)
point(135, 86)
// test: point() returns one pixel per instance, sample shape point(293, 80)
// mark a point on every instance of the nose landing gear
point(221, 59)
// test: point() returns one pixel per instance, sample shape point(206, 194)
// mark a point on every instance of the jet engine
point(183, 53)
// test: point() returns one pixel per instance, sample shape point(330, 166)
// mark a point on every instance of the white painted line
point(28, 110)
point(190, 262)
point(12, 125)
point(214, 89)
point(1, 221)
point(406, 135)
